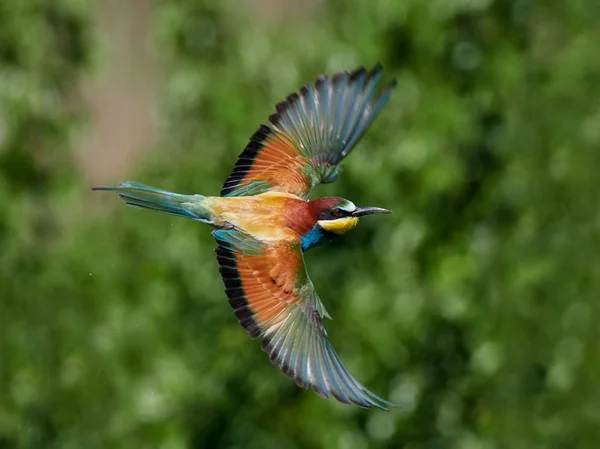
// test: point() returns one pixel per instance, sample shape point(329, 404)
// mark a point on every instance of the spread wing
point(273, 298)
point(309, 135)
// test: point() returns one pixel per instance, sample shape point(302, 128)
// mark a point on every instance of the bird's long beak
point(360, 211)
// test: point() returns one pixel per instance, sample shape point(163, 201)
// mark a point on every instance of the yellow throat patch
point(339, 226)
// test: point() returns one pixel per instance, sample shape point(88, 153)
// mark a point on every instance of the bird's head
point(338, 215)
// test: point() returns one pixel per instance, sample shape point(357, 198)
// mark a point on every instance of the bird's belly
point(263, 218)
point(260, 227)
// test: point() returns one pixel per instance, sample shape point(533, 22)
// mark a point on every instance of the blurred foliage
point(474, 306)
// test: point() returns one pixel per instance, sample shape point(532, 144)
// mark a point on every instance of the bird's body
point(265, 222)
point(267, 216)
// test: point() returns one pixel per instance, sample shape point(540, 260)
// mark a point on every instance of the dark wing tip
point(260, 135)
point(235, 291)
point(391, 85)
point(377, 68)
point(357, 73)
point(339, 77)
point(246, 159)
point(322, 79)
point(304, 90)
point(274, 119)
point(281, 107)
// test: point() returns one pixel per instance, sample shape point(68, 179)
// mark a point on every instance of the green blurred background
point(475, 305)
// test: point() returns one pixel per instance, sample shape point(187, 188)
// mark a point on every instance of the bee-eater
point(265, 222)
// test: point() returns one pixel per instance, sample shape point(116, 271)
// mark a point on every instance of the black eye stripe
point(334, 214)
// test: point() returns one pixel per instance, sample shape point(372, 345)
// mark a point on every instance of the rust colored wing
point(309, 135)
point(273, 298)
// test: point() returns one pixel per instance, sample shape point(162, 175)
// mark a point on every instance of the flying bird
point(265, 222)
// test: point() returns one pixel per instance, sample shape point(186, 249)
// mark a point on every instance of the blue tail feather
point(140, 195)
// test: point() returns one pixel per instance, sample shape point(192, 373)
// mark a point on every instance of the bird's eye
point(338, 212)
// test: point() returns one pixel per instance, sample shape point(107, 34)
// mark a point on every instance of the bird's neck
point(317, 236)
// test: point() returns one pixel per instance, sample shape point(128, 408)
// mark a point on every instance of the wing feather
point(273, 298)
point(309, 135)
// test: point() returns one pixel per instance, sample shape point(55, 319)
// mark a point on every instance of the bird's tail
point(140, 195)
